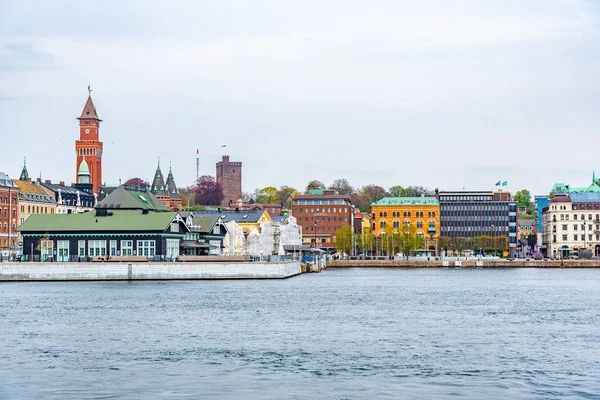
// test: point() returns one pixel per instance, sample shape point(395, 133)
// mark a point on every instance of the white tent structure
point(234, 243)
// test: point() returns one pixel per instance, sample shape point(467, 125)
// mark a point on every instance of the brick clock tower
point(89, 147)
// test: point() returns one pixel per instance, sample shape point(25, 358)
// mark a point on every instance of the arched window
point(385, 213)
point(419, 224)
point(432, 224)
point(404, 213)
point(433, 214)
point(380, 214)
point(409, 213)
point(396, 224)
point(428, 213)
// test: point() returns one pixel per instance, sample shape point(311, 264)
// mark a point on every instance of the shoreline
point(410, 264)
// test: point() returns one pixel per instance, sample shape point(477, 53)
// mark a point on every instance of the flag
point(224, 145)
point(498, 183)
point(504, 183)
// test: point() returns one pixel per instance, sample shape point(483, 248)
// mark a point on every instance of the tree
point(370, 194)
point(344, 239)
point(365, 241)
point(136, 182)
point(342, 186)
point(523, 198)
point(185, 202)
point(397, 191)
point(312, 185)
point(285, 196)
point(267, 195)
point(408, 239)
point(248, 198)
point(411, 191)
point(208, 191)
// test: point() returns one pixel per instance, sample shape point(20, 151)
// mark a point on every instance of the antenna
point(197, 164)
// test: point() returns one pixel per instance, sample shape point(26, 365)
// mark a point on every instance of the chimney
point(46, 181)
point(62, 183)
point(28, 180)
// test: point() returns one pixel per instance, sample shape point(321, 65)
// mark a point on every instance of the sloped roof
point(122, 198)
point(279, 219)
point(406, 201)
point(121, 220)
point(24, 173)
point(67, 189)
point(560, 198)
point(204, 223)
point(171, 186)
point(5, 181)
point(585, 197)
point(31, 192)
point(244, 217)
point(158, 183)
point(89, 110)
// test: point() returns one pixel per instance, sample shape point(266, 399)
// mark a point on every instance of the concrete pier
point(146, 271)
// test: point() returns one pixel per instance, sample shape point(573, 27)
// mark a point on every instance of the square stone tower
point(229, 175)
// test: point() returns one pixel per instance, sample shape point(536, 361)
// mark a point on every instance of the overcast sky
point(445, 94)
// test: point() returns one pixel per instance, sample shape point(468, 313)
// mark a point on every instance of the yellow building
point(421, 212)
point(33, 199)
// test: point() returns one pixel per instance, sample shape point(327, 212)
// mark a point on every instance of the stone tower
point(89, 146)
point(229, 175)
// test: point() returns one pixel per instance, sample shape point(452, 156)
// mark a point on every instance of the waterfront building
point(562, 188)
point(321, 213)
point(420, 212)
point(471, 214)
point(526, 235)
point(166, 192)
point(70, 199)
point(33, 199)
point(205, 237)
point(125, 223)
point(541, 202)
point(246, 219)
point(89, 148)
point(571, 225)
point(9, 206)
point(229, 175)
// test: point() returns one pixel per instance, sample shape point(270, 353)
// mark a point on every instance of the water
point(340, 334)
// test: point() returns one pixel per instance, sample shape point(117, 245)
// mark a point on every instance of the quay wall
point(462, 264)
point(146, 271)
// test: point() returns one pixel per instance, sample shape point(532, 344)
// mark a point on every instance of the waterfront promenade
point(458, 263)
point(95, 271)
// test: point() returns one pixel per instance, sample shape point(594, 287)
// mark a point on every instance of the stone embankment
point(463, 264)
point(147, 271)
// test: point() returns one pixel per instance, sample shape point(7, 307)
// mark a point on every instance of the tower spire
point(24, 173)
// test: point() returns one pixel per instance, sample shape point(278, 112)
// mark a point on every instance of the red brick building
point(89, 147)
point(321, 213)
point(229, 175)
point(9, 210)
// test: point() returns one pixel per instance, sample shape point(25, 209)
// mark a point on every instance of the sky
point(439, 93)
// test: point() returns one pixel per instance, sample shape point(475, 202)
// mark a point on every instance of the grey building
point(470, 214)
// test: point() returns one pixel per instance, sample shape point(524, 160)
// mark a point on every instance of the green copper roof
point(84, 169)
point(407, 201)
point(122, 198)
point(121, 220)
point(319, 192)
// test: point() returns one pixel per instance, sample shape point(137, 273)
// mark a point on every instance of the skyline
point(465, 96)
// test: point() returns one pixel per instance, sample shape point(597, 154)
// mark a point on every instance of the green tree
point(342, 186)
point(408, 239)
point(268, 195)
point(344, 239)
point(365, 241)
point(285, 196)
point(397, 191)
point(523, 198)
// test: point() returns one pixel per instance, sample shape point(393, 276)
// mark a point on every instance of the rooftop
point(120, 220)
point(130, 198)
point(247, 216)
point(407, 201)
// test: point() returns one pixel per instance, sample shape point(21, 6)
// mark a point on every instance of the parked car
point(573, 257)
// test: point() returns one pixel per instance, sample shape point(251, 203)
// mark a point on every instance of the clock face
point(87, 131)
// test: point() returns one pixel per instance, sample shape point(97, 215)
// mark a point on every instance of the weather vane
point(89, 89)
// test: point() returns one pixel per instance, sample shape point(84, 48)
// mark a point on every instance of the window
point(564, 238)
point(574, 227)
point(564, 227)
point(81, 246)
point(126, 247)
point(590, 217)
point(575, 217)
point(113, 248)
point(146, 248)
point(575, 237)
point(96, 248)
